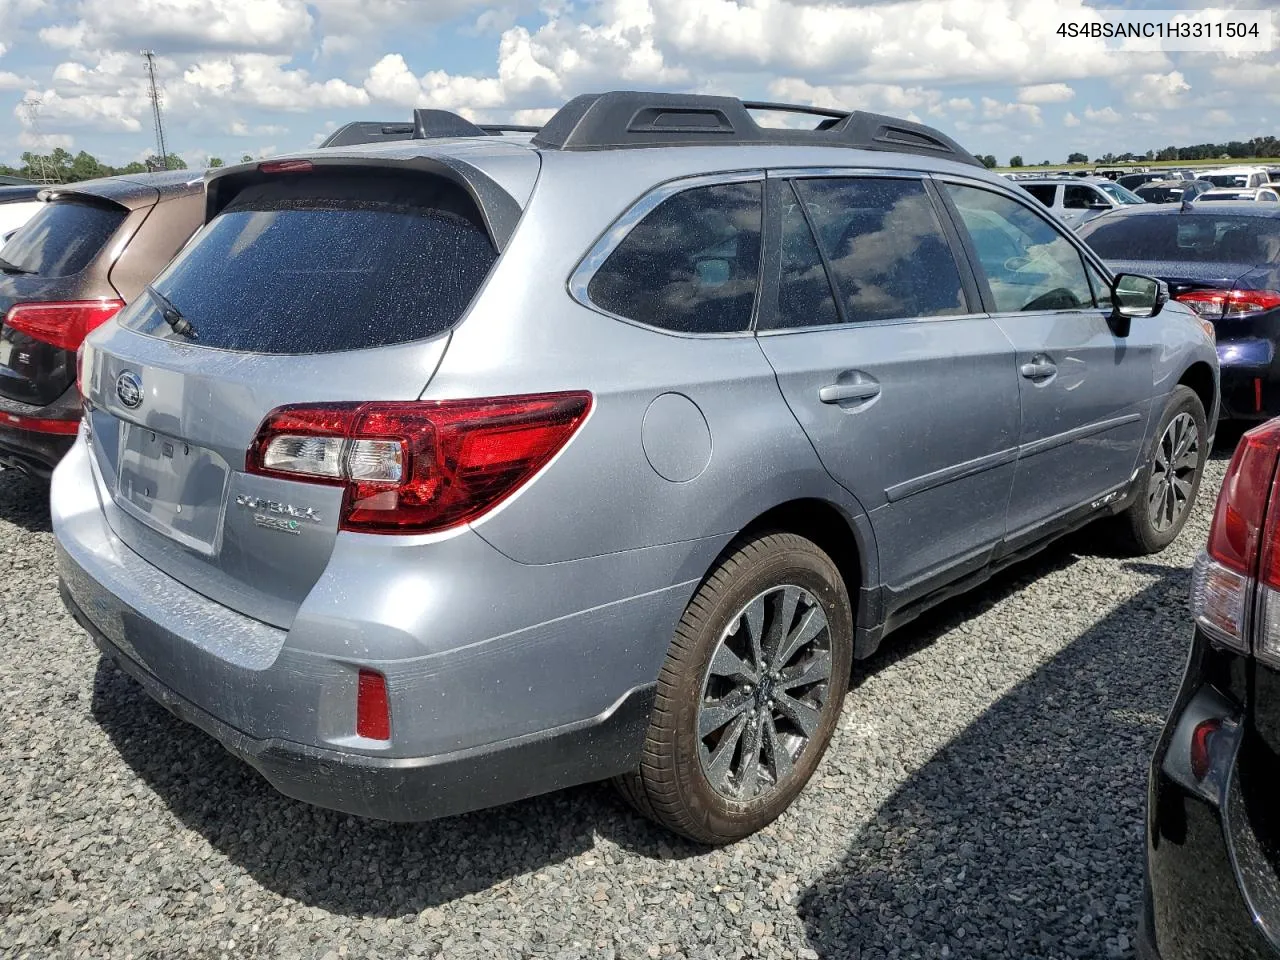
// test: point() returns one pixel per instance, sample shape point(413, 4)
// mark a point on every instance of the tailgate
point(171, 467)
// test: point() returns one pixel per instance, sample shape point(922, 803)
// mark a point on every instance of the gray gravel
point(982, 798)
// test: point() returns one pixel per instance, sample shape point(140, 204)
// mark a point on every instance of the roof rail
point(621, 119)
point(609, 121)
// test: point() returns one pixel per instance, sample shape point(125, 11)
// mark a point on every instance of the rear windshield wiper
point(8, 267)
point(172, 315)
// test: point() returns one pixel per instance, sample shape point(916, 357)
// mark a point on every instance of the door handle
point(839, 392)
point(1038, 369)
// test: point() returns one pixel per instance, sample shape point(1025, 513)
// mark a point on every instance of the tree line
point(63, 167)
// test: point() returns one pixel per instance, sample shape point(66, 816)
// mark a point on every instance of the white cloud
point(1160, 90)
point(1219, 118)
point(960, 105)
point(263, 80)
point(11, 81)
point(238, 128)
point(47, 143)
point(1251, 74)
point(1070, 120)
point(176, 26)
point(1106, 115)
point(996, 110)
point(1046, 93)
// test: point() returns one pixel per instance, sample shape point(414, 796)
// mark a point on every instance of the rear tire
point(1170, 480)
point(749, 694)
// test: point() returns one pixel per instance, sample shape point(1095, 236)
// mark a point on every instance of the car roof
point(17, 194)
point(134, 189)
point(1244, 209)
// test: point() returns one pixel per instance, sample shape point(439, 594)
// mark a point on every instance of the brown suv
point(71, 267)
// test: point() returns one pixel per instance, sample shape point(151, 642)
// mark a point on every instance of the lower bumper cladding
point(418, 788)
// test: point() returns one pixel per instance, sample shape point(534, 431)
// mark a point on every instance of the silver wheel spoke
point(813, 670)
point(811, 624)
point(784, 616)
point(715, 715)
point(1173, 472)
point(799, 713)
point(752, 740)
point(718, 765)
point(726, 663)
point(779, 755)
point(753, 618)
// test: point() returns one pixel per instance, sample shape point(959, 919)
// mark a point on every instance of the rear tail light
point(1218, 304)
point(373, 710)
point(66, 428)
point(415, 466)
point(61, 324)
point(1240, 569)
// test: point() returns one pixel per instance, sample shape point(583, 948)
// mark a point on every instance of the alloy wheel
point(763, 693)
point(1173, 472)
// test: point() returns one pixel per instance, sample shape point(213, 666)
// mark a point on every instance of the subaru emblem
point(129, 389)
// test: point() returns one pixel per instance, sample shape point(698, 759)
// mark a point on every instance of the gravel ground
point(982, 798)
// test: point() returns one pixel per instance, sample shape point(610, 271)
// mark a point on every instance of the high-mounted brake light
point(1217, 304)
point(417, 466)
point(1244, 544)
point(63, 324)
point(285, 166)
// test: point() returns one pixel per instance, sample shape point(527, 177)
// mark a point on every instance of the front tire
point(1168, 484)
point(749, 694)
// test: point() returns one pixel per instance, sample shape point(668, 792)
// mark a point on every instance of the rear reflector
point(285, 166)
point(61, 324)
point(1201, 757)
point(415, 466)
point(373, 711)
point(1216, 304)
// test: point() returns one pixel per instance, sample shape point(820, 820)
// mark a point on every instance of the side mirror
point(1133, 295)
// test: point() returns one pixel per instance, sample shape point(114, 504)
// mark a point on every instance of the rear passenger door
point(1085, 392)
point(906, 391)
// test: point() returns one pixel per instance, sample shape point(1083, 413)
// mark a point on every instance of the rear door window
point(691, 265)
point(805, 298)
point(885, 248)
point(62, 239)
point(324, 263)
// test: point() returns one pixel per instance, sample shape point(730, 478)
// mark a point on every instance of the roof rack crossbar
point(795, 108)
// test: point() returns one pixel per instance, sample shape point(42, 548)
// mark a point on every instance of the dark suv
point(1213, 826)
point(70, 268)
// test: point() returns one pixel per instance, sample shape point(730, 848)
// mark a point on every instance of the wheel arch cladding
point(1199, 377)
point(818, 521)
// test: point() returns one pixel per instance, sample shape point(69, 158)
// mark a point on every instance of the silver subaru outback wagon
point(447, 470)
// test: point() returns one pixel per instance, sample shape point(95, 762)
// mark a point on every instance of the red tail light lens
point(1242, 502)
point(373, 710)
point(1216, 304)
point(63, 325)
point(417, 467)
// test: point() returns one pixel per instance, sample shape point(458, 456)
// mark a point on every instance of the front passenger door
point(905, 389)
point(1085, 392)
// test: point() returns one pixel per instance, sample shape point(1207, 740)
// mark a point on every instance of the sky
point(263, 77)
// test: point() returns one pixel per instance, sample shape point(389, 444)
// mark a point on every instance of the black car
point(1213, 824)
point(1132, 181)
point(1223, 261)
point(1172, 191)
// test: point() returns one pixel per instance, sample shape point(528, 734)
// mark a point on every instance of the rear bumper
point(417, 788)
point(1212, 890)
point(504, 680)
point(1249, 372)
point(38, 451)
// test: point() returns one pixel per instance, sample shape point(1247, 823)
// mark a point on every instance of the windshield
point(1205, 238)
point(1161, 194)
point(1119, 193)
